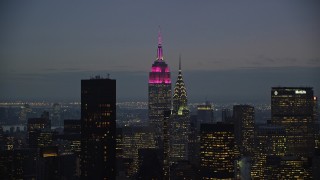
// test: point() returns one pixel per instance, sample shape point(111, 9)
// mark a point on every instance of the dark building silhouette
point(150, 165)
point(316, 164)
point(217, 151)
point(18, 164)
point(183, 170)
point(226, 115)
point(51, 165)
point(38, 138)
point(42, 123)
point(98, 128)
point(167, 115)
point(39, 131)
point(293, 108)
point(193, 142)
point(72, 126)
point(159, 98)
point(243, 118)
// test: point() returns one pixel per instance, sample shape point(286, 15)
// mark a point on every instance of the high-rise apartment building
point(159, 98)
point(293, 109)
point(98, 128)
point(217, 151)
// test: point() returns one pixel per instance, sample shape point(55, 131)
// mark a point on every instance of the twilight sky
point(232, 51)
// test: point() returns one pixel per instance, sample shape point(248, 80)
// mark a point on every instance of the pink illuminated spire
point(159, 51)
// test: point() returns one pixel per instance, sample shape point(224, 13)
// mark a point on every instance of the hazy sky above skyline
point(231, 50)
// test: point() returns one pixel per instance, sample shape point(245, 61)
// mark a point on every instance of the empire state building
point(159, 98)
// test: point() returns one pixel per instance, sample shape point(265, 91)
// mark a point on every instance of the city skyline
point(159, 90)
point(50, 45)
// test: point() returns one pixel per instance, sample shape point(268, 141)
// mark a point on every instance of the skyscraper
point(243, 117)
point(98, 128)
point(270, 141)
point(39, 131)
point(180, 101)
point(159, 98)
point(180, 124)
point(166, 144)
point(133, 139)
point(217, 152)
point(293, 109)
point(205, 114)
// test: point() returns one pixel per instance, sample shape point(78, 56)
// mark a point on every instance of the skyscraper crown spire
point(180, 92)
point(179, 62)
point(159, 37)
point(159, 51)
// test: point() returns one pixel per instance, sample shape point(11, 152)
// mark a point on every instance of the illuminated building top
point(160, 72)
point(180, 93)
point(159, 92)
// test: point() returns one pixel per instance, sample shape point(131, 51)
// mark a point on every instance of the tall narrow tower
point(180, 93)
point(159, 90)
point(180, 123)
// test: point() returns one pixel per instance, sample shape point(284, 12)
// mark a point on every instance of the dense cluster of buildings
point(175, 144)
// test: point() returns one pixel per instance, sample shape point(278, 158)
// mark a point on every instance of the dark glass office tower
point(98, 128)
point(159, 90)
point(293, 109)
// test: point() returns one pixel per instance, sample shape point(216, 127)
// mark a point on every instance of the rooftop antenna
point(159, 36)
point(159, 51)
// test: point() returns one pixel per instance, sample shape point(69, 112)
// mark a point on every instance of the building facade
point(217, 151)
point(204, 114)
point(180, 124)
point(98, 128)
point(159, 97)
point(244, 120)
point(293, 109)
